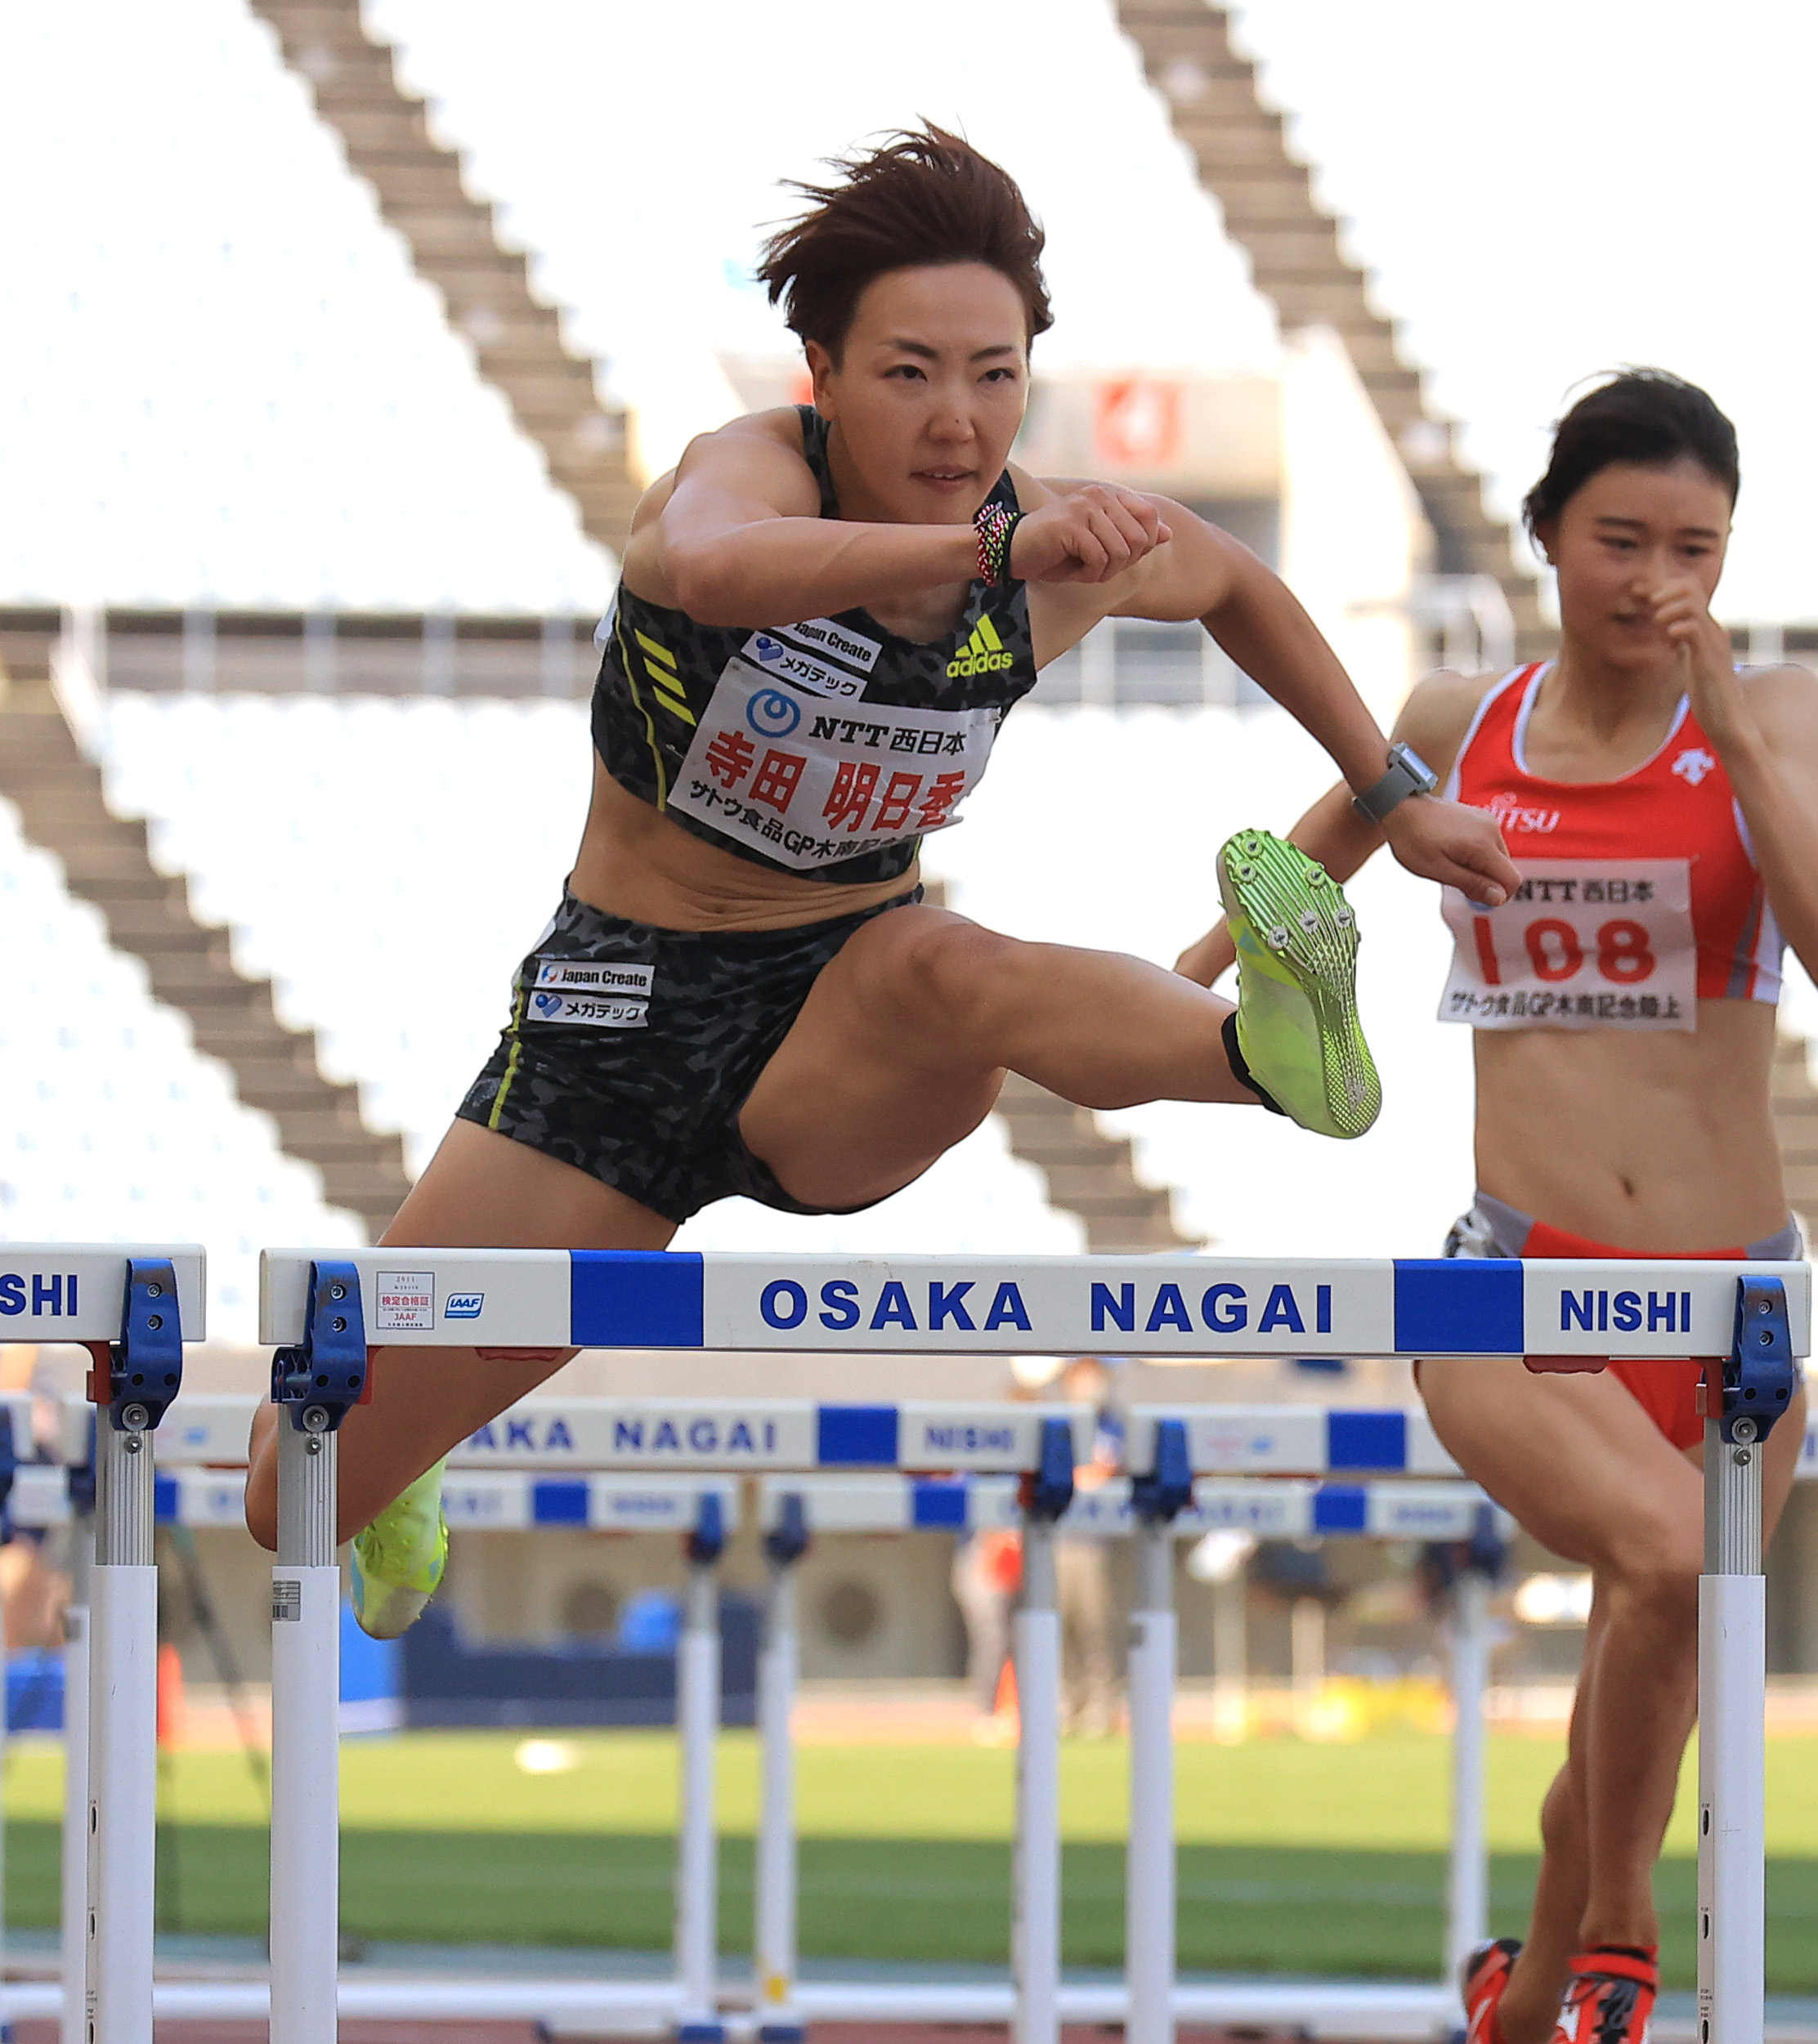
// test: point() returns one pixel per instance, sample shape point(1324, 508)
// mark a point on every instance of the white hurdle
point(1272, 1507)
point(133, 1307)
point(697, 1722)
point(530, 1468)
point(1754, 1319)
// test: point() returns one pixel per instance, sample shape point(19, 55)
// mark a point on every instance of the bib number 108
point(1557, 950)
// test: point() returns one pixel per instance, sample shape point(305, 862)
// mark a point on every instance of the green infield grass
point(1294, 1857)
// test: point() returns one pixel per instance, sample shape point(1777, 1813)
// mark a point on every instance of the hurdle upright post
point(131, 1381)
point(697, 1727)
point(774, 1938)
point(1756, 1388)
point(313, 1386)
point(1156, 1498)
point(1035, 1940)
point(1467, 1867)
point(74, 1876)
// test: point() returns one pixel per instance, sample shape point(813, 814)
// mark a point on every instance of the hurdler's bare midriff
point(635, 863)
point(1658, 1140)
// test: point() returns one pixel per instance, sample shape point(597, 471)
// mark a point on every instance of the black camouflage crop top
point(829, 747)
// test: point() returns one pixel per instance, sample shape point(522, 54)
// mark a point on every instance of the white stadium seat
point(116, 1127)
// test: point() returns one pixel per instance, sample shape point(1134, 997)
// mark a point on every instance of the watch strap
point(1408, 775)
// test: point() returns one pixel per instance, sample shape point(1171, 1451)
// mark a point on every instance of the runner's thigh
point(1575, 1459)
point(880, 1072)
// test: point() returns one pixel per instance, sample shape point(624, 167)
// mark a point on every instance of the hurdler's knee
point(949, 968)
point(1662, 1574)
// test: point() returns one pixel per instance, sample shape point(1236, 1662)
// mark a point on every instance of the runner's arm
point(1433, 721)
point(1254, 616)
point(1765, 727)
point(1774, 770)
point(735, 537)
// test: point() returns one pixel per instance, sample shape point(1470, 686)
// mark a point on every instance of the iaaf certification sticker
point(404, 1302)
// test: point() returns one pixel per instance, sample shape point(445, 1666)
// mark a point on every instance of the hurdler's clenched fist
point(1092, 533)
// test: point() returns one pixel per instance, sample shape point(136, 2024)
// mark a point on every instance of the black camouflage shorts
point(631, 1050)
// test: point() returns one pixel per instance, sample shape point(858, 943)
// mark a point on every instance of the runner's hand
point(1707, 667)
point(1457, 847)
point(1093, 534)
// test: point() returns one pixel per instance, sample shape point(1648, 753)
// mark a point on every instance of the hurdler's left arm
point(1765, 727)
point(1772, 758)
point(1205, 574)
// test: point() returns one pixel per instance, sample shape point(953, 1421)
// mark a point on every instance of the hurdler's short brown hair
point(922, 197)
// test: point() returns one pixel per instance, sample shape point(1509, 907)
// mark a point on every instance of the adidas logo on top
point(982, 654)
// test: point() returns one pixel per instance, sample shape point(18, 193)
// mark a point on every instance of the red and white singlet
point(1639, 897)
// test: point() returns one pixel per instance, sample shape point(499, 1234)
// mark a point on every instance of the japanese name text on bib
point(789, 760)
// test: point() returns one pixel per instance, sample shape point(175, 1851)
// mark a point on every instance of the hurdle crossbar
point(1173, 1305)
point(736, 1435)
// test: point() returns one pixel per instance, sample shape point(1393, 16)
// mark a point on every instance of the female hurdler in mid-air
point(824, 615)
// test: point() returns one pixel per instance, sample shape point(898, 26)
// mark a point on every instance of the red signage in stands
point(1137, 424)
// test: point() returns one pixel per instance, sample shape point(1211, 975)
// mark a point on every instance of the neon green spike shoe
point(1297, 1024)
point(399, 1559)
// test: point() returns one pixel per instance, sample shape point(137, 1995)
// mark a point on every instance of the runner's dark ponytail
point(1648, 417)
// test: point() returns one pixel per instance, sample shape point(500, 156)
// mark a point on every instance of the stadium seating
point(299, 424)
point(116, 1128)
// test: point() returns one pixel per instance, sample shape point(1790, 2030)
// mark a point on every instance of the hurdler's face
point(1626, 534)
point(927, 393)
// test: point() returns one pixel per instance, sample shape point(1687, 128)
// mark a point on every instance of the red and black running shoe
point(1485, 1975)
point(1611, 1995)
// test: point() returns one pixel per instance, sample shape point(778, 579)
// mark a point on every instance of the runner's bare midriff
point(635, 863)
point(1657, 1141)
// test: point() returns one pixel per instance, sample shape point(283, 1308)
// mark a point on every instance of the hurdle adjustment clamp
point(705, 1540)
point(1760, 1375)
point(1160, 1496)
point(137, 1378)
point(1048, 1488)
point(325, 1374)
point(786, 1541)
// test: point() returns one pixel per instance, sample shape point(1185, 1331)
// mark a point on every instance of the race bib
point(1583, 944)
point(787, 760)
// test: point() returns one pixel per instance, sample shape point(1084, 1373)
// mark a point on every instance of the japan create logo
point(1694, 763)
point(773, 713)
point(463, 1305)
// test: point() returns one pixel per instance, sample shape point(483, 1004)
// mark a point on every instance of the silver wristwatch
point(1408, 775)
